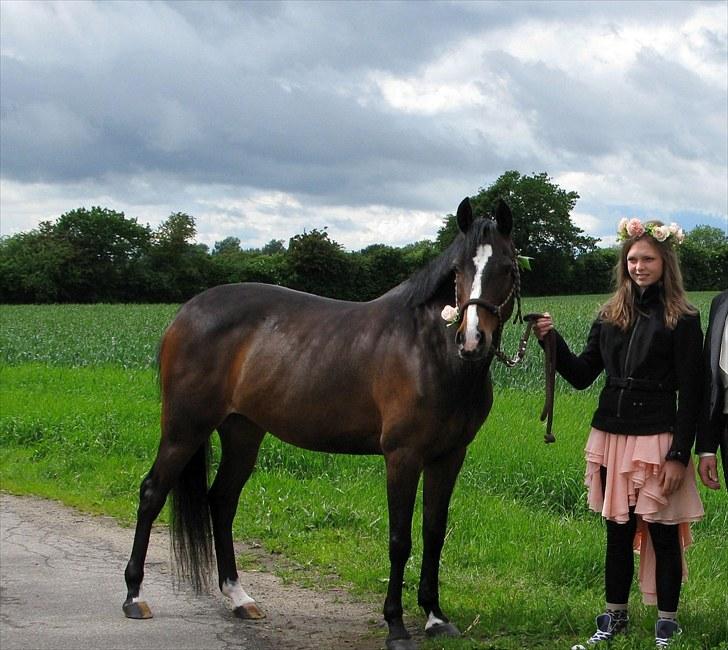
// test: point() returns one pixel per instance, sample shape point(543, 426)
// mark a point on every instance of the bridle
point(549, 342)
point(497, 311)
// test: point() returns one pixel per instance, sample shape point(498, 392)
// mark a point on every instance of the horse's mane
point(421, 287)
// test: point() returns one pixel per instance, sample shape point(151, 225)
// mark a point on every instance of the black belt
point(647, 385)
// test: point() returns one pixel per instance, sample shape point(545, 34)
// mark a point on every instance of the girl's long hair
point(620, 309)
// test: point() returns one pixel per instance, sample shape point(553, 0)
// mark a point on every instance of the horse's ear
point(503, 218)
point(465, 215)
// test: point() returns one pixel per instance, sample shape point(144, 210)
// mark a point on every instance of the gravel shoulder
point(62, 585)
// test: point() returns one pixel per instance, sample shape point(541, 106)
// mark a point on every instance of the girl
point(639, 474)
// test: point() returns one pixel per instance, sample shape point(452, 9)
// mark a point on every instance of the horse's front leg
point(403, 474)
point(439, 481)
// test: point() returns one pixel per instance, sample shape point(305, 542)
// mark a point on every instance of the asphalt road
point(62, 585)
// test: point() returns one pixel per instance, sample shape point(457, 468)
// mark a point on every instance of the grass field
point(522, 566)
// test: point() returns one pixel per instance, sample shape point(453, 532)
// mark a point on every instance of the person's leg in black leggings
point(619, 558)
point(668, 560)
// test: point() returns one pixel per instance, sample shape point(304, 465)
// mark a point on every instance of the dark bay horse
point(384, 377)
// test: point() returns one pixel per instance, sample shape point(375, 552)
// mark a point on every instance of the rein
point(549, 344)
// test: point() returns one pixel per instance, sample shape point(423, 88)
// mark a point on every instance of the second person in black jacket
point(648, 341)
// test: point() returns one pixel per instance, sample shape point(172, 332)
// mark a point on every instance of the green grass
point(522, 566)
point(83, 335)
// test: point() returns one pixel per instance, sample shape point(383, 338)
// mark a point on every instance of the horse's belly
point(316, 415)
point(336, 443)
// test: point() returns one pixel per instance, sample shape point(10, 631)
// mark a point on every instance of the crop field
point(522, 564)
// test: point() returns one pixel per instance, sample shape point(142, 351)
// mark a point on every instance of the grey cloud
point(211, 124)
point(350, 36)
point(660, 105)
point(571, 117)
point(686, 115)
point(272, 96)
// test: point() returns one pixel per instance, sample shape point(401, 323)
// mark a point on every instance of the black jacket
point(712, 432)
point(645, 367)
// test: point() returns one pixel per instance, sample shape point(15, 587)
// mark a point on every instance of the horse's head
point(486, 278)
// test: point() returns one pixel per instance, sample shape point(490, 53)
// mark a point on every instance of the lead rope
point(549, 344)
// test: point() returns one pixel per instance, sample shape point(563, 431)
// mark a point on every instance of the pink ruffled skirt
point(633, 468)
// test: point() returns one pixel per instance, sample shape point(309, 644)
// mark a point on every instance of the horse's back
point(298, 365)
point(233, 305)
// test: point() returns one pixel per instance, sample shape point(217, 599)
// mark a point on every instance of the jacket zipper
point(626, 364)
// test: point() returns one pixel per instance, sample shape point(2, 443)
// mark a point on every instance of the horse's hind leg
point(403, 475)
point(438, 483)
point(169, 463)
point(240, 441)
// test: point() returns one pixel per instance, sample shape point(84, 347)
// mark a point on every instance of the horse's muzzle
point(475, 347)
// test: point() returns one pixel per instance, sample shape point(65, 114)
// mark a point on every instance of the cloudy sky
point(372, 119)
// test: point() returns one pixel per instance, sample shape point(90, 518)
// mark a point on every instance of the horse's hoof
point(442, 629)
point(249, 611)
point(138, 610)
point(402, 644)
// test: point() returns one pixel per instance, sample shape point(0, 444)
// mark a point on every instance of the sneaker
point(608, 627)
point(665, 630)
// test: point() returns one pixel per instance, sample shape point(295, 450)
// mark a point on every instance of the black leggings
point(619, 561)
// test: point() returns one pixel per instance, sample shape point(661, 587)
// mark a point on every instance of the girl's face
point(644, 263)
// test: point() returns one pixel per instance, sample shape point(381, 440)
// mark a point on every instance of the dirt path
point(62, 585)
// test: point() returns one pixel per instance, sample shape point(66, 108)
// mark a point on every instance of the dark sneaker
point(608, 627)
point(665, 630)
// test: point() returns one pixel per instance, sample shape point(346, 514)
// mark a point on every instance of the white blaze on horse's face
point(482, 255)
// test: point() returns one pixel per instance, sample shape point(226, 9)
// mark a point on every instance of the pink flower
point(635, 228)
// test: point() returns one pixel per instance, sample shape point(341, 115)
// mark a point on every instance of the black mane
point(439, 274)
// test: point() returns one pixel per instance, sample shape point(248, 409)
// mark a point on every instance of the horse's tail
point(190, 521)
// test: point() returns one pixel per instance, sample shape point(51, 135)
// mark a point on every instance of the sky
point(370, 119)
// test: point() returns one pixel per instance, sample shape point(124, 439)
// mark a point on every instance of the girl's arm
point(580, 371)
point(687, 351)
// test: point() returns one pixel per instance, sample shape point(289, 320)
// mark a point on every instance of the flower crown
point(630, 228)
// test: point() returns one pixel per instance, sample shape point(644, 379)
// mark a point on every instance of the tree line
point(100, 255)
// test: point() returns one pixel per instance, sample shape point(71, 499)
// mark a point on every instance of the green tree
point(541, 213)
point(31, 266)
point(447, 232)
point(106, 250)
point(704, 259)
point(273, 247)
point(177, 268)
point(249, 266)
point(707, 237)
point(226, 246)
point(319, 265)
point(542, 228)
point(419, 253)
point(593, 271)
point(379, 268)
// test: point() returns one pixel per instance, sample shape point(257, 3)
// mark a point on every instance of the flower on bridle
point(634, 228)
point(450, 314)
